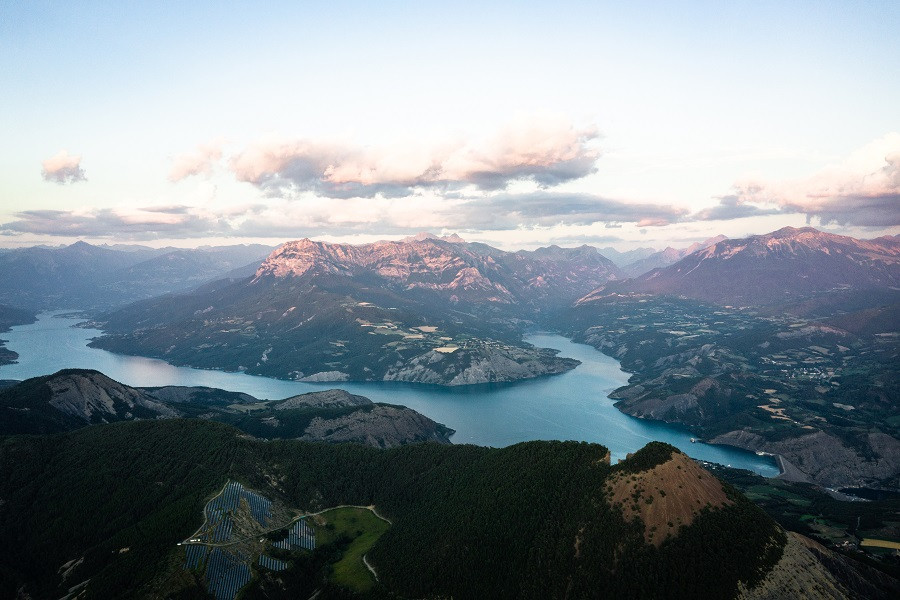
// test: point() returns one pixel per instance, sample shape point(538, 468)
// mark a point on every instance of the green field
point(364, 528)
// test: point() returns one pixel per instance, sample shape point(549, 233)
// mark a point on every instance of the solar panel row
point(226, 574)
point(273, 564)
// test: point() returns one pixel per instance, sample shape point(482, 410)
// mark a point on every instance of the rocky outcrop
point(323, 399)
point(383, 427)
point(94, 397)
point(824, 458)
point(75, 398)
point(490, 365)
point(325, 376)
point(809, 570)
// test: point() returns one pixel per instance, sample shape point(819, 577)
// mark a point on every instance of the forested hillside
point(80, 499)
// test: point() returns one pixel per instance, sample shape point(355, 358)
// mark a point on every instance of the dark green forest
point(527, 521)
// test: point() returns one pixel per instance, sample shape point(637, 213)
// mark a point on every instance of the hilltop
point(75, 398)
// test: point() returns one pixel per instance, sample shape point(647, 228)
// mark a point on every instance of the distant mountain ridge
point(620, 258)
point(83, 276)
point(667, 257)
point(777, 267)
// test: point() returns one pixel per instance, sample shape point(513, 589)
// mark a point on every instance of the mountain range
point(666, 257)
point(82, 276)
point(425, 310)
point(774, 269)
point(443, 311)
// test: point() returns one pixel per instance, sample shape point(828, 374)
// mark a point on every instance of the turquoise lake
point(571, 406)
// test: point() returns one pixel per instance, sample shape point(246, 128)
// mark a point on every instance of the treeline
point(527, 521)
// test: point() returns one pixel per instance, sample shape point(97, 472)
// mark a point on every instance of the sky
point(520, 124)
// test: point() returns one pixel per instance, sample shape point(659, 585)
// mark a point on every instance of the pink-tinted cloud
point(862, 190)
point(199, 162)
point(123, 223)
point(62, 169)
point(546, 150)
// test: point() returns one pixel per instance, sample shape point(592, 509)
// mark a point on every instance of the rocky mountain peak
point(780, 266)
point(92, 396)
point(427, 235)
point(791, 241)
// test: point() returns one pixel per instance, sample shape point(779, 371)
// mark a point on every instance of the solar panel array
point(260, 506)
point(219, 522)
point(196, 553)
point(301, 535)
point(273, 564)
point(226, 573)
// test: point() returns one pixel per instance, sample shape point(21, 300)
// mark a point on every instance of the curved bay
point(571, 406)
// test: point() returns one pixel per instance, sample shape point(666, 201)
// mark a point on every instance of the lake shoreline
point(570, 406)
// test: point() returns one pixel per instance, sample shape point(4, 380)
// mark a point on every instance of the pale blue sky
point(663, 108)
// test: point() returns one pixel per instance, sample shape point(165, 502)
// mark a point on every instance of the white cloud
point(546, 149)
point(199, 162)
point(862, 190)
point(63, 168)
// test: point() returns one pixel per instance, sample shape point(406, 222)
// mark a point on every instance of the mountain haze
point(667, 257)
point(83, 276)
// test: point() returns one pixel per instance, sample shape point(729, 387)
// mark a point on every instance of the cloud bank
point(540, 148)
point(63, 169)
point(547, 208)
point(863, 190)
point(125, 223)
point(316, 187)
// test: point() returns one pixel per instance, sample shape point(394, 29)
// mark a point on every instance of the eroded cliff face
point(824, 458)
point(94, 397)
